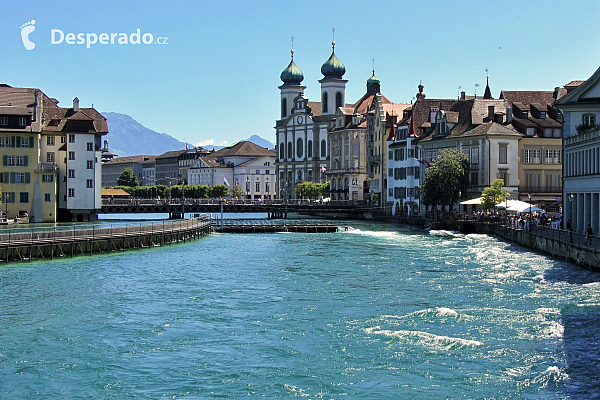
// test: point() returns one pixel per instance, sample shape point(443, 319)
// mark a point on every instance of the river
point(375, 312)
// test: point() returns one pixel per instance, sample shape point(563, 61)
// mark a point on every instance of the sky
point(213, 76)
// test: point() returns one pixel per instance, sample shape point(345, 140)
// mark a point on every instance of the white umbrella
point(476, 201)
point(518, 206)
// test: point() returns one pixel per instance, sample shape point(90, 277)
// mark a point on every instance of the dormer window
point(300, 105)
point(3, 120)
point(542, 114)
point(22, 121)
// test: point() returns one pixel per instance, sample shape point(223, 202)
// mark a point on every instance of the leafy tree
point(446, 178)
point(218, 191)
point(127, 178)
point(493, 195)
point(236, 191)
point(311, 190)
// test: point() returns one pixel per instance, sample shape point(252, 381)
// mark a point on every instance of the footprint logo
point(26, 29)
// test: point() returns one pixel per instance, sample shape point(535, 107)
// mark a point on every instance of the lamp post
point(571, 197)
point(529, 195)
point(247, 186)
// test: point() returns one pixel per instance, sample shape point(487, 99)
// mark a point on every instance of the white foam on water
point(425, 339)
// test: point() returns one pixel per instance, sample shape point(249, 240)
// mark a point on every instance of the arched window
point(346, 183)
point(299, 148)
point(338, 99)
point(309, 150)
point(283, 107)
point(333, 185)
point(323, 148)
point(324, 107)
point(290, 153)
point(281, 151)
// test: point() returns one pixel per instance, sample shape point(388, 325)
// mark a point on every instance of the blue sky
point(216, 80)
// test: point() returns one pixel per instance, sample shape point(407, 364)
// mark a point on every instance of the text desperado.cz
point(57, 36)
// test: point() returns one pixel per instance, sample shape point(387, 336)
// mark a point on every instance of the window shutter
point(4, 160)
point(31, 142)
point(27, 177)
point(6, 177)
point(25, 160)
point(12, 177)
point(12, 141)
point(18, 141)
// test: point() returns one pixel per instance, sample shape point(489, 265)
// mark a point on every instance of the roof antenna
point(459, 91)
point(373, 66)
point(292, 51)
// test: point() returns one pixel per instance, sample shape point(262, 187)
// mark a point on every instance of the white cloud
point(210, 142)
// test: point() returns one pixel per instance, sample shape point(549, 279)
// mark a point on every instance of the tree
point(127, 178)
point(493, 195)
point(311, 190)
point(446, 178)
point(236, 191)
point(218, 191)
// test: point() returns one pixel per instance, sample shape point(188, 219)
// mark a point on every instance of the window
point(8, 197)
point(551, 156)
point(63, 139)
point(47, 197)
point(281, 151)
point(547, 132)
point(290, 154)
point(24, 197)
point(503, 175)
point(20, 177)
point(299, 148)
point(267, 172)
point(3, 120)
point(542, 114)
point(4, 141)
point(89, 183)
point(90, 146)
point(15, 161)
point(474, 178)
point(338, 99)
point(50, 140)
point(530, 131)
point(324, 101)
point(537, 156)
point(71, 138)
point(50, 157)
point(22, 121)
point(503, 153)
point(47, 178)
point(390, 172)
point(267, 187)
point(71, 155)
point(71, 192)
point(589, 119)
point(258, 172)
point(309, 150)
point(257, 187)
point(24, 142)
point(90, 164)
point(390, 155)
point(71, 173)
point(323, 148)
point(283, 108)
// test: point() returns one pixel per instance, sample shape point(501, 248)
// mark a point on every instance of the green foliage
point(236, 191)
point(127, 178)
point(311, 190)
point(218, 191)
point(445, 178)
point(493, 195)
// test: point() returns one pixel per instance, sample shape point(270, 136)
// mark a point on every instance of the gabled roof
point(364, 104)
point(171, 154)
point(244, 148)
point(130, 159)
point(527, 96)
point(587, 92)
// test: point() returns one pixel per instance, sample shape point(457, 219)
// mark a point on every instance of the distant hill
point(127, 137)
point(261, 142)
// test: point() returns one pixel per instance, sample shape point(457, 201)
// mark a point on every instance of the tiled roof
point(527, 96)
point(315, 108)
point(171, 154)
point(244, 148)
point(363, 105)
point(574, 83)
point(130, 159)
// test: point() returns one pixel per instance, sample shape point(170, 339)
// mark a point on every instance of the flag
point(187, 147)
point(323, 169)
point(423, 161)
point(236, 181)
point(225, 182)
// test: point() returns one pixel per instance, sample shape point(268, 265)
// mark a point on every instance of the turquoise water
point(377, 312)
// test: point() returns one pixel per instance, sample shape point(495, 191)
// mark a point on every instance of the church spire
point(488, 93)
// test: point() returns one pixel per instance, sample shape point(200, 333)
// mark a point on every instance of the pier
point(39, 244)
point(274, 226)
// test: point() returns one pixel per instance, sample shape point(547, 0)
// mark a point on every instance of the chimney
point(462, 95)
point(105, 145)
point(75, 104)
point(508, 115)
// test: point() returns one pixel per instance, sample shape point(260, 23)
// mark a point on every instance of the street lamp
point(529, 195)
point(247, 186)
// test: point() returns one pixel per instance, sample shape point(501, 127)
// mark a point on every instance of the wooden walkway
point(36, 244)
point(273, 226)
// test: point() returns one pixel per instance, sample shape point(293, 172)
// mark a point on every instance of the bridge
point(275, 209)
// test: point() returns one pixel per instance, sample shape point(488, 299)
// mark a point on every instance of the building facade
point(581, 146)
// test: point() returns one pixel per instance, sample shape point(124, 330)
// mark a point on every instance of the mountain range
point(127, 137)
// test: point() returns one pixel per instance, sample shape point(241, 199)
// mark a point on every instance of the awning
point(476, 201)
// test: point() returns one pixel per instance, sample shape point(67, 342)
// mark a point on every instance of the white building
point(244, 164)
point(581, 149)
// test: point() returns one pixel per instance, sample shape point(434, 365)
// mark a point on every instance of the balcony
point(582, 138)
point(47, 167)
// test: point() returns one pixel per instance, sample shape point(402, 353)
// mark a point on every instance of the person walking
point(590, 234)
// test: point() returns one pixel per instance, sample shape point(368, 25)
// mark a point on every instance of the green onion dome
point(333, 67)
point(292, 74)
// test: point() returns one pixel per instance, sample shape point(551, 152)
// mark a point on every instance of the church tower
point(333, 86)
point(292, 78)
